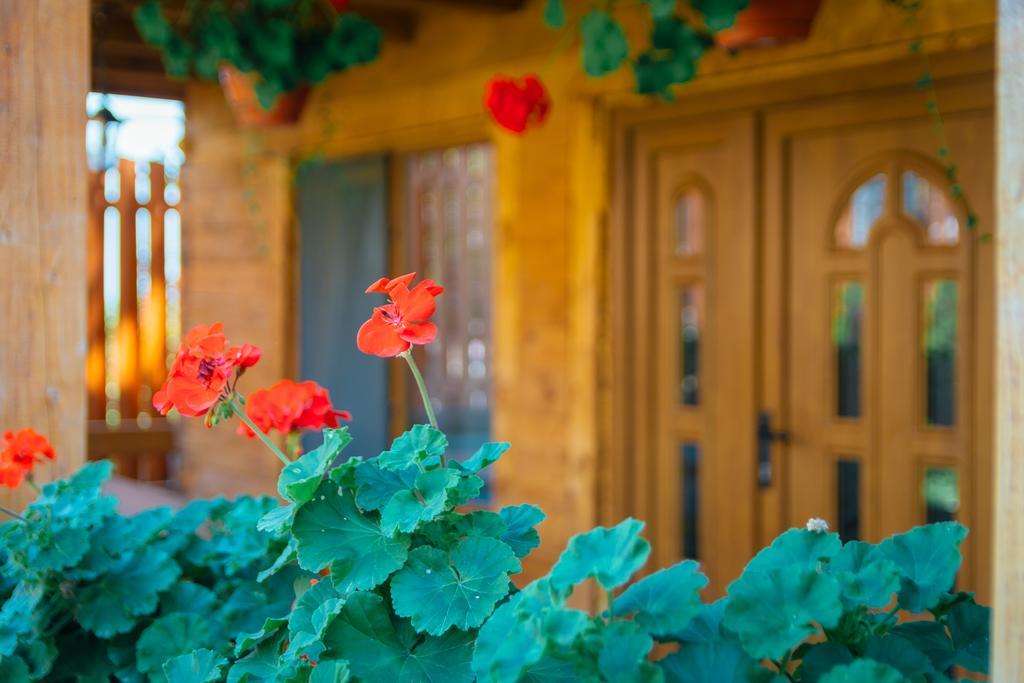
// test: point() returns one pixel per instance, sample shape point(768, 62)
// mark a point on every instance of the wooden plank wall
point(1008, 636)
point(44, 65)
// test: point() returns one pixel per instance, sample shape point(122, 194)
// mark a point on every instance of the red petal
point(378, 337)
point(419, 333)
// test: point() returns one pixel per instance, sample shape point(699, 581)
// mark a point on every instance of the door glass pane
point(941, 490)
point(940, 333)
point(690, 508)
point(847, 316)
point(864, 208)
point(848, 499)
point(691, 316)
point(927, 204)
point(689, 223)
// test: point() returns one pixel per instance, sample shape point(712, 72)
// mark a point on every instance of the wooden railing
point(129, 327)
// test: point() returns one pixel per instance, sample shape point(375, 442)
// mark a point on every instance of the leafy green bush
point(89, 594)
point(807, 608)
point(289, 43)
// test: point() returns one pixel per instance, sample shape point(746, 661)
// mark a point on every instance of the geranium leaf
point(481, 523)
point(506, 645)
point(822, 658)
point(928, 558)
point(378, 648)
point(330, 671)
point(554, 13)
point(796, 549)
point(866, 577)
point(247, 641)
point(376, 486)
point(287, 555)
point(16, 615)
point(311, 614)
point(199, 666)
point(863, 670)
point(278, 521)
point(706, 625)
point(605, 46)
point(714, 661)
point(422, 444)
point(969, 626)
point(167, 637)
point(773, 611)
point(467, 489)
point(623, 655)
point(665, 601)
point(408, 508)
point(439, 590)
point(344, 475)
point(13, 669)
point(331, 529)
point(662, 8)
point(931, 639)
point(484, 457)
point(187, 596)
point(520, 533)
point(719, 14)
point(260, 665)
point(130, 590)
point(299, 480)
point(610, 556)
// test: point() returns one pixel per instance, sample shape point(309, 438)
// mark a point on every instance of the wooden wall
point(44, 71)
point(551, 321)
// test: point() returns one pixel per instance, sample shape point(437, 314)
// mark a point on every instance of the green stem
point(422, 387)
point(259, 432)
point(611, 601)
point(33, 484)
point(13, 514)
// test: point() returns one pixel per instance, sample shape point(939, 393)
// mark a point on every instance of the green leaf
point(467, 489)
point(286, 556)
point(260, 665)
point(900, 654)
point(715, 661)
point(439, 590)
point(168, 637)
point(246, 641)
point(299, 481)
point(344, 475)
point(484, 457)
point(862, 671)
point(822, 658)
point(420, 445)
point(313, 611)
point(520, 533)
point(969, 626)
point(605, 46)
point(609, 555)
point(330, 671)
point(623, 654)
point(929, 638)
point(928, 558)
point(864, 575)
point(152, 24)
point(378, 648)
point(662, 8)
point(111, 605)
point(773, 611)
point(199, 666)
point(278, 521)
point(376, 486)
point(332, 530)
point(186, 596)
point(719, 14)
point(554, 13)
point(796, 549)
point(13, 669)
point(407, 509)
point(706, 625)
point(17, 615)
point(665, 601)
point(507, 644)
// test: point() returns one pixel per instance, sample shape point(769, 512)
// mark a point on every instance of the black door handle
point(766, 436)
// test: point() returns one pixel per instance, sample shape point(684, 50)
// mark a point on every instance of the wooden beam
point(1008, 617)
point(44, 78)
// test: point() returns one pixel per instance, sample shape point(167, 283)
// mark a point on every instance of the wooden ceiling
point(122, 63)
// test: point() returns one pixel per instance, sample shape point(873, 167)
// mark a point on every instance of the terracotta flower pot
point(770, 22)
point(239, 89)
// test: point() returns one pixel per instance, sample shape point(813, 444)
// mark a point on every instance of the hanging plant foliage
point(285, 45)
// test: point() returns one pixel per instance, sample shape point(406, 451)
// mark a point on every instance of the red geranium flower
point(403, 321)
point(198, 378)
point(516, 104)
point(21, 451)
point(290, 407)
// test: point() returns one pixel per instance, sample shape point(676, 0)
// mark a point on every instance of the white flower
point(817, 524)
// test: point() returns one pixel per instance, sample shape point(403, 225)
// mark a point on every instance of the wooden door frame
point(629, 433)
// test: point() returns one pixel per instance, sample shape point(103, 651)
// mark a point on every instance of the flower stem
point(259, 432)
point(422, 387)
point(33, 484)
point(13, 514)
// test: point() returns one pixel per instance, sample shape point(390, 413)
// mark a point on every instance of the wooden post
point(44, 78)
point(1008, 634)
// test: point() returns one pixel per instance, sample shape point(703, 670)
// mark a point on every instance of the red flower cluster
point(401, 322)
point(21, 451)
point(516, 104)
point(340, 5)
point(290, 407)
point(198, 378)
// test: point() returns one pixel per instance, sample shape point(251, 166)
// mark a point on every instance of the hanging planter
point(770, 22)
point(266, 53)
point(240, 92)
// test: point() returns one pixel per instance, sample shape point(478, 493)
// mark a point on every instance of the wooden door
point(886, 321)
point(691, 337)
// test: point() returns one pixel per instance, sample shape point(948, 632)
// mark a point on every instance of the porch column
point(1008, 633)
point(44, 78)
